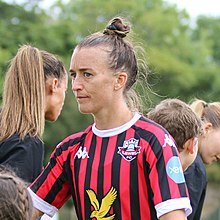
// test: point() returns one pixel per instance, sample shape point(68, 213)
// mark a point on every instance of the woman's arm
point(174, 215)
point(36, 214)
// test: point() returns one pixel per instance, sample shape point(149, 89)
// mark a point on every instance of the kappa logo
point(168, 140)
point(82, 153)
point(130, 149)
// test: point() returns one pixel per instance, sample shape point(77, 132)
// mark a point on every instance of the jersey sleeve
point(166, 176)
point(52, 189)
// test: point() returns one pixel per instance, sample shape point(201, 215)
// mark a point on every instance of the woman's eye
point(87, 75)
point(73, 75)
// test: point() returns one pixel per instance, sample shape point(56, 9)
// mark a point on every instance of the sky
point(198, 7)
point(193, 7)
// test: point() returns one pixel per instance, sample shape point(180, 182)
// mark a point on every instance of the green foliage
point(213, 172)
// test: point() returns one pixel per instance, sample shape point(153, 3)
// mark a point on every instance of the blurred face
point(209, 144)
point(92, 80)
point(55, 96)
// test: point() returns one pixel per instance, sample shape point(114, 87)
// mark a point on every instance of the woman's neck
point(113, 119)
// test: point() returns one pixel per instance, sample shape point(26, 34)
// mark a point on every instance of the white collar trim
point(115, 131)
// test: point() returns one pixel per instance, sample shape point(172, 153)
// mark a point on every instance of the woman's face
point(92, 80)
point(209, 144)
point(55, 96)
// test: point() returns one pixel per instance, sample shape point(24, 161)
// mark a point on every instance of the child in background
point(182, 123)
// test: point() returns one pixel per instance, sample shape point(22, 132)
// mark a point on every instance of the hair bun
point(116, 27)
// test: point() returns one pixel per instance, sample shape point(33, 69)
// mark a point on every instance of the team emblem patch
point(130, 149)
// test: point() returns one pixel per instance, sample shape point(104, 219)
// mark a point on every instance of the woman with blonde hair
point(34, 91)
point(208, 152)
point(15, 201)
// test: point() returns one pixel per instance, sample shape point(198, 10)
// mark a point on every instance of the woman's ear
point(191, 145)
point(207, 126)
point(120, 81)
point(52, 85)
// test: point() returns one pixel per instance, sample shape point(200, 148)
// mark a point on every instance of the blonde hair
point(15, 201)
point(23, 110)
point(209, 112)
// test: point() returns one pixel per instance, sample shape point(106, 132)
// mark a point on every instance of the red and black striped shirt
point(130, 172)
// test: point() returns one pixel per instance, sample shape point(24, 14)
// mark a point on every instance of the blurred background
point(181, 42)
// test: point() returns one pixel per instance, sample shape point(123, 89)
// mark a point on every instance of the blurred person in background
point(15, 201)
point(208, 152)
point(34, 91)
point(182, 123)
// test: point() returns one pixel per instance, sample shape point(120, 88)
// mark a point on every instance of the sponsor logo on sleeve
point(174, 170)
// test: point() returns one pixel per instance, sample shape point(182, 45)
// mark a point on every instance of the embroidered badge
point(101, 211)
point(130, 149)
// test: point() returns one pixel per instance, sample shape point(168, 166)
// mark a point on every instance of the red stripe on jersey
point(153, 128)
point(167, 153)
point(107, 184)
point(153, 176)
point(143, 190)
point(61, 196)
point(55, 172)
point(124, 182)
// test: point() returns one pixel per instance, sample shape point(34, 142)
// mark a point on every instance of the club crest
point(130, 149)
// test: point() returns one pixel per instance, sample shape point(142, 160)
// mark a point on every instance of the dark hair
point(15, 201)
point(122, 54)
point(178, 119)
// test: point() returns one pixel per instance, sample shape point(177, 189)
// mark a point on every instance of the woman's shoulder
point(75, 138)
point(150, 126)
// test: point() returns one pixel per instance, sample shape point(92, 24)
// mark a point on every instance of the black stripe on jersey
point(88, 177)
point(77, 168)
point(182, 189)
point(77, 175)
point(58, 152)
point(116, 174)
point(146, 166)
point(57, 187)
point(101, 165)
point(157, 149)
point(134, 196)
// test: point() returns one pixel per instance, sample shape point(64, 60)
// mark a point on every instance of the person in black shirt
point(34, 91)
point(208, 153)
